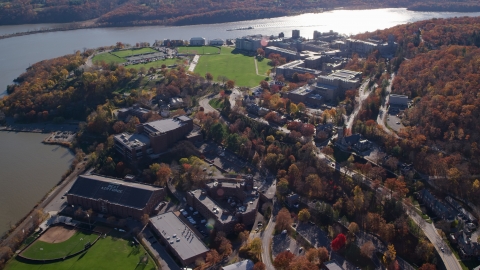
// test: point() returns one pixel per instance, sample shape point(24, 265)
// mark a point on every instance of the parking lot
point(393, 121)
point(200, 225)
point(282, 242)
point(314, 234)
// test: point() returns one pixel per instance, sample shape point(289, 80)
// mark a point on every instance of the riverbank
point(47, 127)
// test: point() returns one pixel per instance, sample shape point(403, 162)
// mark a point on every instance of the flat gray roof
point(186, 242)
point(210, 204)
point(165, 125)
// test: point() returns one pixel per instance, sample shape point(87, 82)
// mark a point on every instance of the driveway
point(159, 252)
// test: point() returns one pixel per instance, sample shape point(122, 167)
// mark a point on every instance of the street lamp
point(89, 226)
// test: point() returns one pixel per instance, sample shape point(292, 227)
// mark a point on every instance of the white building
point(197, 41)
point(217, 42)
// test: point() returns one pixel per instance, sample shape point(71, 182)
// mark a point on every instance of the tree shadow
point(81, 256)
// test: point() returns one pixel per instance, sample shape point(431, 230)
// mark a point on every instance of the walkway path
point(256, 66)
point(194, 63)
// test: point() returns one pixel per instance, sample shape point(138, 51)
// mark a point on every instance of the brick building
point(114, 196)
point(226, 202)
point(152, 138)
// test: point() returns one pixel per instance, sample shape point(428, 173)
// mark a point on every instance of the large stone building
point(335, 84)
point(178, 239)
point(114, 196)
point(226, 202)
point(249, 43)
point(306, 95)
point(197, 41)
point(364, 47)
point(135, 110)
point(152, 138)
point(288, 54)
point(287, 70)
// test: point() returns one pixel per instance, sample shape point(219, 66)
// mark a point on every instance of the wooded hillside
point(141, 12)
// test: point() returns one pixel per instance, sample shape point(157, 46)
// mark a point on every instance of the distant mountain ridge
point(181, 12)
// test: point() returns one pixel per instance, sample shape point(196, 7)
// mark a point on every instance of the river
point(28, 169)
point(19, 52)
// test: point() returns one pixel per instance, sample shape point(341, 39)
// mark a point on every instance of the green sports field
point(198, 50)
point(42, 250)
point(108, 58)
point(108, 253)
point(234, 66)
point(126, 53)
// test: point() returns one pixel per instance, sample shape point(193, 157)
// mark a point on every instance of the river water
point(28, 169)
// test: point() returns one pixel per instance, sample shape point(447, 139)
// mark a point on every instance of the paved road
point(267, 237)
point(166, 262)
point(383, 109)
point(362, 95)
point(204, 103)
point(449, 259)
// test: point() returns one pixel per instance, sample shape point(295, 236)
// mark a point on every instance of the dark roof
point(113, 190)
point(353, 139)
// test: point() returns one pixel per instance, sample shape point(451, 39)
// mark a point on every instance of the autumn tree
point(425, 250)
point(302, 263)
point(339, 242)
point(398, 186)
point(303, 215)
point(230, 84)
point(389, 256)
point(428, 266)
point(163, 174)
point(283, 259)
point(212, 257)
point(283, 220)
point(259, 266)
point(209, 76)
point(367, 249)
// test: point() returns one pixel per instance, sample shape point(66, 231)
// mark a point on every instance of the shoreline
point(91, 24)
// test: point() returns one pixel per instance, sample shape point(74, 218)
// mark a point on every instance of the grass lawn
point(108, 58)
point(108, 253)
point(198, 50)
point(234, 66)
point(125, 53)
point(263, 66)
point(155, 64)
point(216, 103)
point(43, 250)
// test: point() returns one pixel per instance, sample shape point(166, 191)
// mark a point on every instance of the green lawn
point(108, 58)
point(216, 103)
point(108, 253)
point(155, 64)
point(198, 50)
point(234, 66)
point(125, 53)
point(43, 250)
